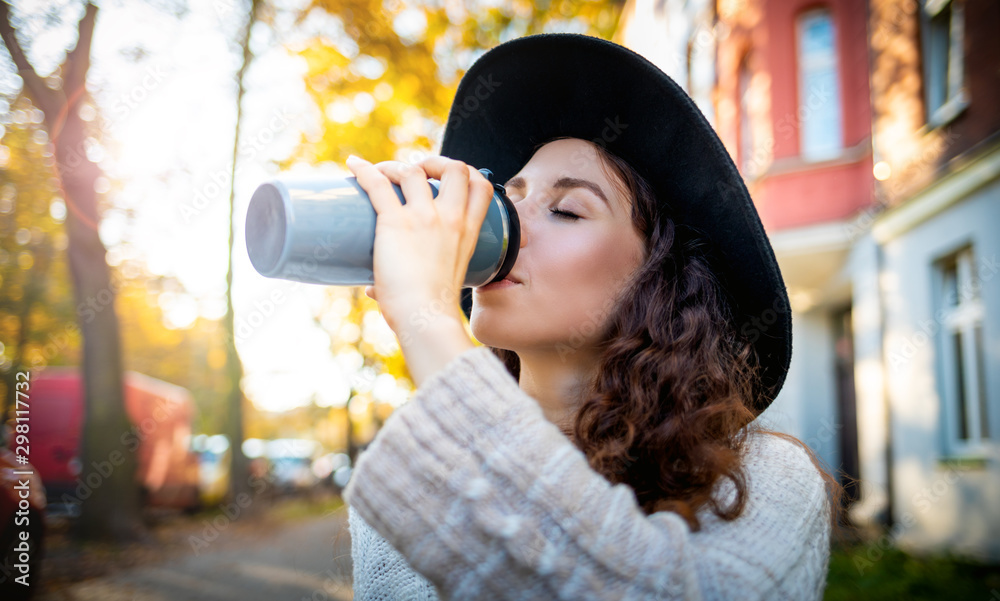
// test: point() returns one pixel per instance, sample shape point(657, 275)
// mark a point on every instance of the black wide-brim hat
point(530, 90)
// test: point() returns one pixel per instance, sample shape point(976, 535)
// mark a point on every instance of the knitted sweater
point(468, 492)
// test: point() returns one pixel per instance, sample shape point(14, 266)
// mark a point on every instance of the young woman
point(602, 444)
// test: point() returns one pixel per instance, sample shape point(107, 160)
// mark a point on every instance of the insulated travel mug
point(321, 230)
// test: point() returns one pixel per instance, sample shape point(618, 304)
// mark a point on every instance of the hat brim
point(530, 90)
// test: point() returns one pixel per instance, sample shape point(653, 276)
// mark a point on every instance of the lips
point(500, 284)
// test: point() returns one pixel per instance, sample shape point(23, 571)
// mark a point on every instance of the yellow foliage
point(36, 299)
point(38, 313)
point(390, 101)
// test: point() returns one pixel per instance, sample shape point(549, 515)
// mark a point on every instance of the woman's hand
point(422, 252)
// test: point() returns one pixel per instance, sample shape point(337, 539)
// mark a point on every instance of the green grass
point(866, 572)
point(305, 507)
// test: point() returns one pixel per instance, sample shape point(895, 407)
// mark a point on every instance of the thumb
point(370, 293)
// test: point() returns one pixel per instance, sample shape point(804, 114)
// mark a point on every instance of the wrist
point(416, 312)
point(430, 343)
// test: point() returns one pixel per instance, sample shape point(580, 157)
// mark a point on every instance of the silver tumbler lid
point(266, 227)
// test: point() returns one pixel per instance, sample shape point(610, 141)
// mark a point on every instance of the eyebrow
point(565, 183)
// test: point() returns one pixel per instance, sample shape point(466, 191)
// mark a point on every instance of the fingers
point(411, 179)
point(465, 191)
point(454, 179)
point(375, 183)
point(464, 196)
point(442, 167)
point(377, 180)
point(480, 199)
point(461, 184)
point(448, 225)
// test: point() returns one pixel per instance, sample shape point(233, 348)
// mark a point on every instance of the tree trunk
point(107, 491)
point(239, 482)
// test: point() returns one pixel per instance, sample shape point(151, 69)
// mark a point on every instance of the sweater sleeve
point(380, 572)
point(487, 499)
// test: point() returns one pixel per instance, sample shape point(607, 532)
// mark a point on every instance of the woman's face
point(578, 248)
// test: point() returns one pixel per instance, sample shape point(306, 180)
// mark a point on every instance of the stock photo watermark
point(23, 547)
point(220, 180)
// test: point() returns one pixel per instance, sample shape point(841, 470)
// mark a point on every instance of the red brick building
point(869, 136)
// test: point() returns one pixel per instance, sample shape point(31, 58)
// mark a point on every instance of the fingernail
point(352, 160)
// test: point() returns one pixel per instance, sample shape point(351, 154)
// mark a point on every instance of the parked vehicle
point(290, 461)
point(213, 467)
point(333, 469)
point(160, 415)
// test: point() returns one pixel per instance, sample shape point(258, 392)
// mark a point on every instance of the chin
point(491, 331)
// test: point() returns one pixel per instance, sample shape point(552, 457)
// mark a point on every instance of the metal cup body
point(321, 230)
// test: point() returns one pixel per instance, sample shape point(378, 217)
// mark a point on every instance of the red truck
point(160, 416)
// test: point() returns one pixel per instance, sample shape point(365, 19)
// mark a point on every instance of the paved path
point(308, 560)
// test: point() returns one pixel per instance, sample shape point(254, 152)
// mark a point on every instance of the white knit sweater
point(486, 499)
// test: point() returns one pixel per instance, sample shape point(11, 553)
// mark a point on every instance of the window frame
point(803, 95)
point(964, 317)
point(956, 97)
point(747, 147)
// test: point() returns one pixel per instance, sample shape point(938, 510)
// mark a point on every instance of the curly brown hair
point(673, 398)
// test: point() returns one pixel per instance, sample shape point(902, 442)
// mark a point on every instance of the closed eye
point(564, 214)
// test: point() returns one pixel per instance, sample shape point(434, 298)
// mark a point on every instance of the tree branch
point(33, 84)
point(77, 61)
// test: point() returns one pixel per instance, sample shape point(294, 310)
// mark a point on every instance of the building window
point(701, 69)
point(944, 84)
point(820, 128)
point(963, 364)
point(747, 145)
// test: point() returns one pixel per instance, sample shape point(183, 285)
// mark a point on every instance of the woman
point(602, 444)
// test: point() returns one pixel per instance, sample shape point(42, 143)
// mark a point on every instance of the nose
point(525, 212)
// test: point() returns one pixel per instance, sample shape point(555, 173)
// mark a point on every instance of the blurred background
point(188, 425)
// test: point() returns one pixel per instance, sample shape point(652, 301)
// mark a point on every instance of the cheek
point(580, 276)
point(574, 278)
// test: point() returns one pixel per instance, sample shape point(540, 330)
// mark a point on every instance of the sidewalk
point(254, 559)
